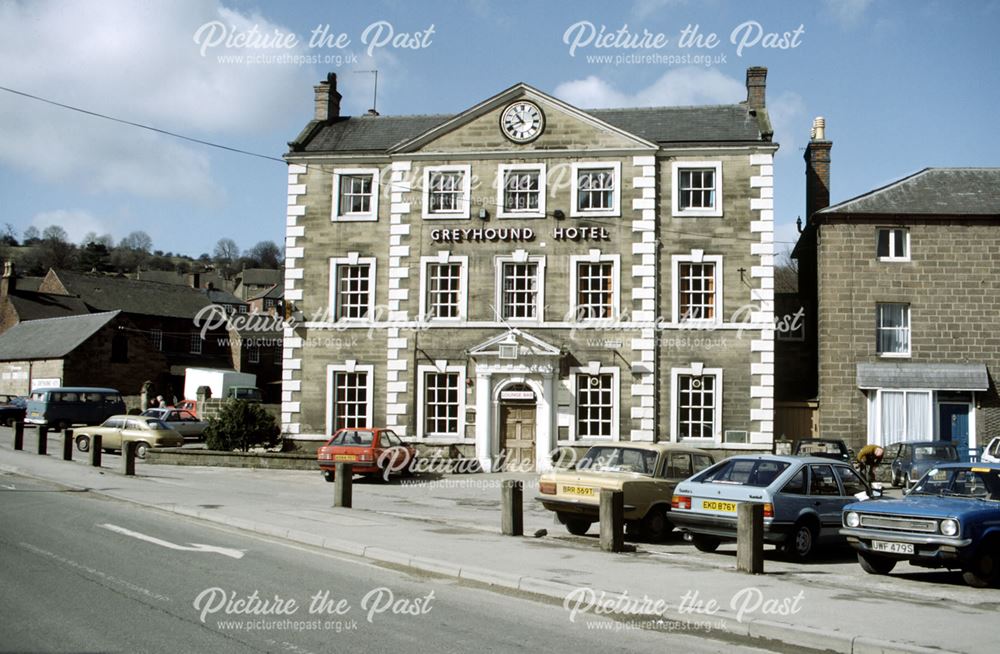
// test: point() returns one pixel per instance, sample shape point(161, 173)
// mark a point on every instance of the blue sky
point(902, 85)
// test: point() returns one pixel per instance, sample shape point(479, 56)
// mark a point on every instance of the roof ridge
point(872, 192)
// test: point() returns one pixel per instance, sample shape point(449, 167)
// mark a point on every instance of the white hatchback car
point(991, 453)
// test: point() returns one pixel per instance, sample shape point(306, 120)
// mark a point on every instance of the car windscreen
point(935, 453)
point(355, 439)
point(974, 482)
point(618, 459)
point(743, 472)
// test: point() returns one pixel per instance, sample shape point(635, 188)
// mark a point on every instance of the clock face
point(522, 121)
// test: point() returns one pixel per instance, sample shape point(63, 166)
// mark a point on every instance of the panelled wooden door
point(517, 436)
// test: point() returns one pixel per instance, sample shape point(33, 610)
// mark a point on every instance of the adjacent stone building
point(527, 275)
point(903, 284)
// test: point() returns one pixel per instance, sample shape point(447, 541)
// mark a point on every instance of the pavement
point(449, 525)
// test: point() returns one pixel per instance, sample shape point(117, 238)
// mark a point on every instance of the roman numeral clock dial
point(522, 121)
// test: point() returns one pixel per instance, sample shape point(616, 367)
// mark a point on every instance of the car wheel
point(577, 526)
point(329, 475)
point(704, 543)
point(984, 570)
point(141, 449)
point(61, 426)
point(801, 541)
point(656, 525)
point(83, 443)
point(876, 565)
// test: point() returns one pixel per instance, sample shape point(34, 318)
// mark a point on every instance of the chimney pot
point(327, 99)
point(756, 87)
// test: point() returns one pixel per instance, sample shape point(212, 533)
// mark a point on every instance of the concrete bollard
point(342, 484)
point(18, 435)
point(612, 516)
point(750, 538)
point(43, 439)
point(67, 444)
point(95, 450)
point(512, 507)
point(128, 458)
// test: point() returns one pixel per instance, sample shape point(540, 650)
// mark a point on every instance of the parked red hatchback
point(372, 451)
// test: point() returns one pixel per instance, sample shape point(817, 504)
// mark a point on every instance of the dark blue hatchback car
point(951, 519)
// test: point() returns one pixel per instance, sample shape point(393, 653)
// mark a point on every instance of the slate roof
point(930, 192)
point(261, 276)
point(938, 376)
point(276, 292)
point(107, 293)
point(51, 338)
point(663, 125)
point(38, 306)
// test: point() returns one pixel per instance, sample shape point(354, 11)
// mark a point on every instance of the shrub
point(241, 425)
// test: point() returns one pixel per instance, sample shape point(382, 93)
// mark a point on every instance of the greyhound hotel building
point(525, 275)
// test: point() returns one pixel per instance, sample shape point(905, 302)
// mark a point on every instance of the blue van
point(65, 406)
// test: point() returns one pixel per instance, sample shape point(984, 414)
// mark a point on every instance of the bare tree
point(226, 251)
point(786, 273)
point(140, 241)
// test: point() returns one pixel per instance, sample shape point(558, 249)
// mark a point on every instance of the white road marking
point(193, 547)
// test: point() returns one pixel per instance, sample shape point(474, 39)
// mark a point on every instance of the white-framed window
point(697, 188)
point(696, 404)
point(349, 396)
point(596, 189)
point(446, 191)
point(156, 336)
point(355, 194)
point(520, 288)
point(892, 329)
point(892, 244)
point(595, 286)
point(697, 284)
point(352, 287)
point(443, 287)
point(521, 191)
point(899, 415)
point(597, 401)
point(195, 343)
point(253, 354)
point(441, 409)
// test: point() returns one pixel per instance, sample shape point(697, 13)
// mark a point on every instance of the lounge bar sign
point(522, 396)
point(516, 234)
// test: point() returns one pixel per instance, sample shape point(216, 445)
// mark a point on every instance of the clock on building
point(522, 121)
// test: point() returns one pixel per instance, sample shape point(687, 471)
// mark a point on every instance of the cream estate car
point(646, 472)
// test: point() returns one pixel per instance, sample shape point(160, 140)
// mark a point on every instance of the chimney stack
point(327, 99)
point(8, 283)
point(817, 158)
point(756, 87)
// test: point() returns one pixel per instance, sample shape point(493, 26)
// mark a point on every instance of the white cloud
point(680, 86)
point(787, 110)
point(76, 222)
point(137, 61)
point(847, 12)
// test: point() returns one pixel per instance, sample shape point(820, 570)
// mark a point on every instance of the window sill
point(460, 215)
point(697, 214)
point(894, 259)
point(894, 355)
point(506, 215)
point(603, 213)
point(358, 218)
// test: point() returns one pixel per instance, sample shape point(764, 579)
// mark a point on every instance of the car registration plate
point(585, 491)
point(892, 548)
point(345, 457)
point(715, 505)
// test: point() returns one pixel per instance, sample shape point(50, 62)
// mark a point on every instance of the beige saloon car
point(145, 431)
point(646, 472)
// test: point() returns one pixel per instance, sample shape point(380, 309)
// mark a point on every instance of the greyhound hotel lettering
point(516, 234)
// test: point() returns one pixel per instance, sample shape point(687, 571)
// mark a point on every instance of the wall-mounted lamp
point(558, 214)
point(484, 213)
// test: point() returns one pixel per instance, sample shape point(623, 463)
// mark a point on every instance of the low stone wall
point(269, 460)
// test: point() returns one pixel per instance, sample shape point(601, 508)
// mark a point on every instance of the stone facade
point(529, 385)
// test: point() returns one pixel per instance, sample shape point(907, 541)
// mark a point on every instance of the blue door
point(954, 427)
